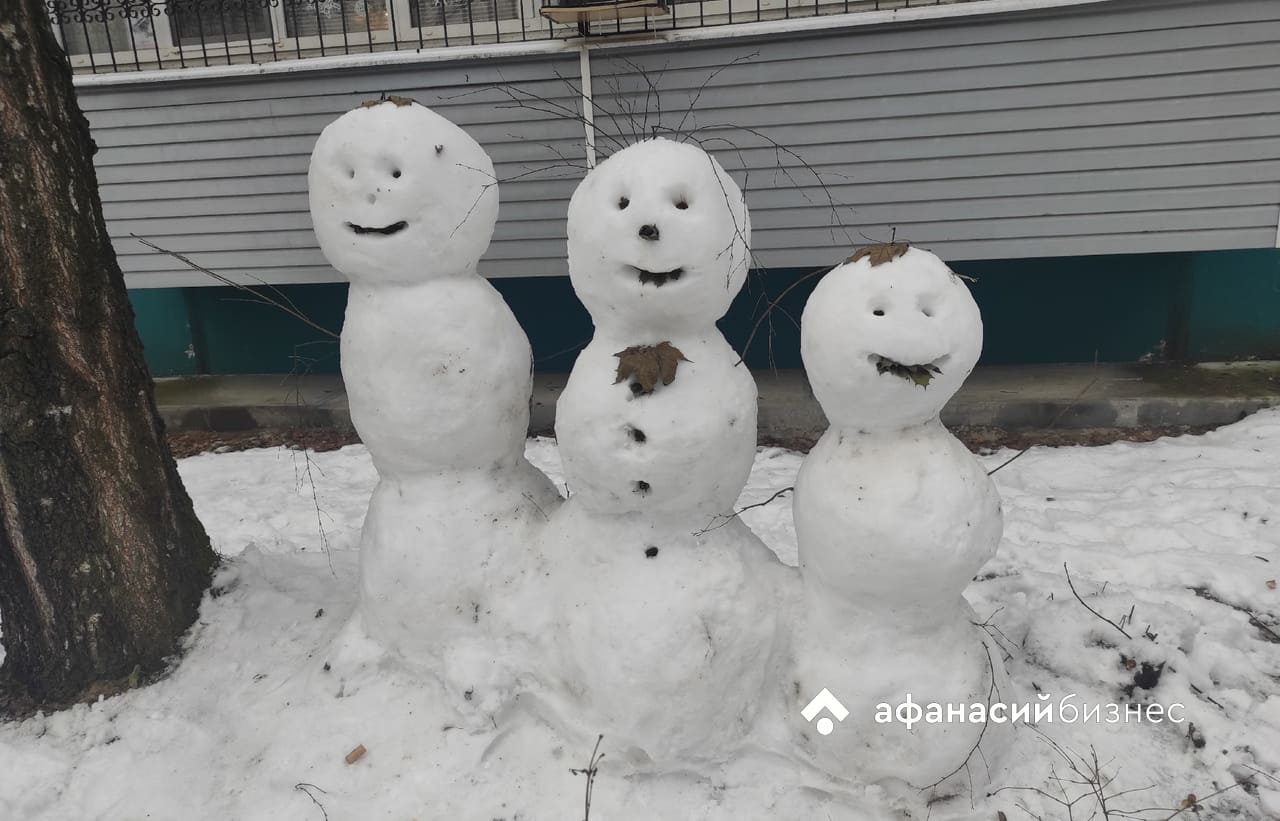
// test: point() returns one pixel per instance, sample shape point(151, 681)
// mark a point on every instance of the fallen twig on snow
point(1090, 609)
point(593, 767)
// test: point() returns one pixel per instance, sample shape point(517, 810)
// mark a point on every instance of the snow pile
point(251, 726)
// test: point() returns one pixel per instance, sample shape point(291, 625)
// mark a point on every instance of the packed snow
point(647, 565)
point(404, 204)
point(893, 517)
point(1175, 539)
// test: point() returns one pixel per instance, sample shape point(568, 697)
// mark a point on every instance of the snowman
point(666, 614)
point(893, 518)
point(438, 376)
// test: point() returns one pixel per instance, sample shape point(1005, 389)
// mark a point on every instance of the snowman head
point(399, 194)
point(886, 345)
point(658, 238)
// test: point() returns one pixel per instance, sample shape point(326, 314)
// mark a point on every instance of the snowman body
point(437, 375)
point(438, 379)
point(671, 451)
point(665, 600)
point(893, 518)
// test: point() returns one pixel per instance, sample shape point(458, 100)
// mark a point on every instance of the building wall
point(1214, 305)
point(1121, 127)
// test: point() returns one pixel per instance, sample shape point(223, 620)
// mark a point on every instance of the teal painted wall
point(1185, 306)
point(163, 323)
point(1235, 305)
point(236, 334)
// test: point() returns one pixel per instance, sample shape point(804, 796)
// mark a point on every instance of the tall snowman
point(666, 613)
point(893, 518)
point(438, 376)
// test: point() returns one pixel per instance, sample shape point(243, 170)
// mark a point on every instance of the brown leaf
point(1271, 584)
point(399, 102)
point(880, 253)
point(645, 365)
point(1188, 802)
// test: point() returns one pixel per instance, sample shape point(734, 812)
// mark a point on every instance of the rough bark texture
point(102, 559)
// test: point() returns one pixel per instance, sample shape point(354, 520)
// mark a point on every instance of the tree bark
point(102, 560)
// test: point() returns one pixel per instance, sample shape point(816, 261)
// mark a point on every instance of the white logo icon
point(825, 701)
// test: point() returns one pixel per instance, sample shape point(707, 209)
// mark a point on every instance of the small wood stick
point(356, 754)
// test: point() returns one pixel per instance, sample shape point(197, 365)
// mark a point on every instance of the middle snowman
point(665, 600)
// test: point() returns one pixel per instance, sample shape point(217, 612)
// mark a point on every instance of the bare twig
point(739, 512)
point(1052, 424)
point(306, 789)
point(991, 693)
point(593, 767)
point(1090, 609)
point(308, 462)
point(279, 301)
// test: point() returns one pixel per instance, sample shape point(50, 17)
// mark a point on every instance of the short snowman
point(893, 518)
point(438, 376)
point(666, 607)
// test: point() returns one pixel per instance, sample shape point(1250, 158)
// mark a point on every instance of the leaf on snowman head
point(398, 102)
point(646, 365)
point(920, 375)
point(880, 253)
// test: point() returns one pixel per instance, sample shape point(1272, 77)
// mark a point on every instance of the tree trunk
point(102, 560)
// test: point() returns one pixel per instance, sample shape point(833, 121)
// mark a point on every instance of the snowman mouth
point(386, 230)
point(917, 374)
point(658, 278)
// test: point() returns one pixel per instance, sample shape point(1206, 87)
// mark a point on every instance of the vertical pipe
point(588, 106)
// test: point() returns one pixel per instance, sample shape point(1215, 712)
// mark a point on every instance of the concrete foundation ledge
point(1011, 397)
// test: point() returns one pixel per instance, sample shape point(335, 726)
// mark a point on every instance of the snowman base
point(667, 632)
point(443, 560)
point(912, 721)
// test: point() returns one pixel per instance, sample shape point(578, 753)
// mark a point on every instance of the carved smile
point(386, 230)
point(919, 374)
point(658, 278)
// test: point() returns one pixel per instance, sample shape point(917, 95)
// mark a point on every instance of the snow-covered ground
point(1175, 539)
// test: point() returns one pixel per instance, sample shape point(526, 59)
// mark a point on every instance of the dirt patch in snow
point(978, 439)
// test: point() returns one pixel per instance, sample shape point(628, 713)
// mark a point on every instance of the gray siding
point(1131, 126)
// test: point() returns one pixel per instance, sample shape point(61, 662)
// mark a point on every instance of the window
point(193, 22)
point(307, 18)
point(464, 12)
point(149, 33)
point(103, 26)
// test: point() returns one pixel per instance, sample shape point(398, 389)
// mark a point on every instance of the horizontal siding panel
point(747, 86)
point(935, 231)
point(1125, 127)
point(211, 159)
point(918, 157)
point(886, 119)
point(538, 223)
point(233, 199)
point(1065, 246)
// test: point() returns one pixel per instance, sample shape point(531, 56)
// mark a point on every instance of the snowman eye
point(351, 172)
point(396, 174)
point(682, 204)
point(623, 202)
point(878, 312)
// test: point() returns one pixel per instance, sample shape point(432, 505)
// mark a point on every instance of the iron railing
point(135, 35)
